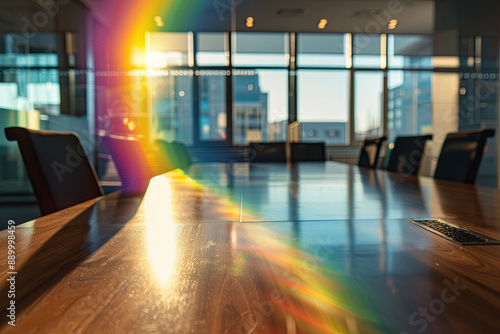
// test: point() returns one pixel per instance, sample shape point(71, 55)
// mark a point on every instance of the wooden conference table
point(260, 248)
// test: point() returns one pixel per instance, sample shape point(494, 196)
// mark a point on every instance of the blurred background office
point(217, 75)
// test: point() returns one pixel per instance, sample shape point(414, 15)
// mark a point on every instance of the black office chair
point(461, 155)
point(307, 152)
point(131, 162)
point(267, 152)
point(182, 156)
point(58, 167)
point(406, 155)
point(166, 154)
point(370, 151)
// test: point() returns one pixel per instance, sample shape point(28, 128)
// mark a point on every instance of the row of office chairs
point(276, 152)
point(62, 175)
point(459, 160)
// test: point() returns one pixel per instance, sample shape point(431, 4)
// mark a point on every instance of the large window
point(190, 79)
point(212, 105)
point(171, 101)
point(171, 92)
point(334, 83)
point(368, 97)
point(323, 105)
point(260, 106)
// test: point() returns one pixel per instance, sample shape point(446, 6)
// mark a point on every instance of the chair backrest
point(307, 152)
point(370, 151)
point(168, 158)
point(182, 156)
point(461, 155)
point(267, 152)
point(58, 167)
point(131, 162)
point(406, 155)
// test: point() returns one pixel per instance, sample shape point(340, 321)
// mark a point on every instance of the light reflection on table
point(322, 248)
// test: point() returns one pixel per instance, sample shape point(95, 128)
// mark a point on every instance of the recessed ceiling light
point(158, 21)
point(322, 23)
point(249, 23)
point(392, 24)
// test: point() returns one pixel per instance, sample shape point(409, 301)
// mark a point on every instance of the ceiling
point(356, 16)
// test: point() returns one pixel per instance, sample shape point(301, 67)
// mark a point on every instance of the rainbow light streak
point(121, 80)
point(324, 300)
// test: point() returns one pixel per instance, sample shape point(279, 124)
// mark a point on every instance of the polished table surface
point(260, 248)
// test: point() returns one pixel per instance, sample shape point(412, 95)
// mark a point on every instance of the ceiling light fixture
point(158, 21)
point(392, 24)
point(322, 23)
point(249, 23)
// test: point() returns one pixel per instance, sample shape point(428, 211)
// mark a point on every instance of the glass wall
point(46, 83)
point(478, 110)
point(41, 91)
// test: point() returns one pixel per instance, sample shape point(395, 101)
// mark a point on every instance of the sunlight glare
point(161, 229)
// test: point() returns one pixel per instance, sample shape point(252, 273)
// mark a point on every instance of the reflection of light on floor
point(160, 227)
